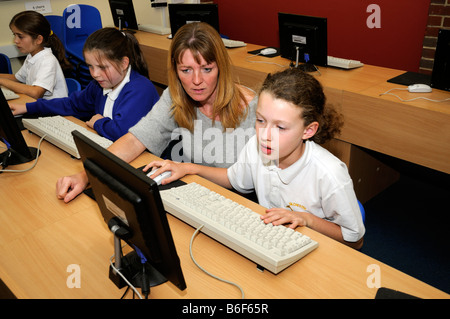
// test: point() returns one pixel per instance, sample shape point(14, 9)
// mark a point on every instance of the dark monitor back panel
point(440, 78)
point(183, 13)
point(123, 14)
point(10, 131)
point(307, 33)
point(165, 260)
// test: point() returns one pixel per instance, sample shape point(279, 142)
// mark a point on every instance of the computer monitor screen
point(303, 38)
point(17, 151)
point(183, 13)
point(123, 14)
point(130, 204)
point(440, 77)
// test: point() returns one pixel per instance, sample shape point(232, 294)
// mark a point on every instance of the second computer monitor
point(303, 38)
point(181, 14)
point(123, 14)
point(17, 151)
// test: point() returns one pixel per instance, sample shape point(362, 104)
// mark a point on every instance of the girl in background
point(41, 75)
point(120, 93)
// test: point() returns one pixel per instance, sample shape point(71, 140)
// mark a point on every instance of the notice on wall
point(42, 6)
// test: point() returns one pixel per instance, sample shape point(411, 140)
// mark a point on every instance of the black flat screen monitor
point(17, 151)
point(123, 14)
point(131, 205)
point(440, 77)
point(183, 13)
point(303, 38)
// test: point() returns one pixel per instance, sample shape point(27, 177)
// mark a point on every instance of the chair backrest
point(80, 20)
point(73, 85)
point(5, 64)
point(57, 25)
point(363, 211)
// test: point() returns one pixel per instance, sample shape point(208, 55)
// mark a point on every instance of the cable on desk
point(124, 278)
point(413, 99)
point(32, 166)
point(201, 268)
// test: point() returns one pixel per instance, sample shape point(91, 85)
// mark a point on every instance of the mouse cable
point(416, 98)
point(201, 268)
point(32, 166)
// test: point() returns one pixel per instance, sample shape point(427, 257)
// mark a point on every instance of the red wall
point(396, 44)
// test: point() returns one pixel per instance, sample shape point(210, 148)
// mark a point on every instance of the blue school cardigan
point(135, 100)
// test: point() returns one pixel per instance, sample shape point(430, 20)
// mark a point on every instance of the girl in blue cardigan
point(120, 94)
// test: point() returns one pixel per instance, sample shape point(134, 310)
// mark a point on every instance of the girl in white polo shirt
point(300, 182)
point(41, 75)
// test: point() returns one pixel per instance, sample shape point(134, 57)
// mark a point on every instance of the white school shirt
point(113, 94)
point(317, 183)
point(43, 70)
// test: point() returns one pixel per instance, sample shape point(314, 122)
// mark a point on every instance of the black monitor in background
point(183, 13)
point(303, 39)
point(17, 151)
point(131, 206)
point(123, 14)
point(440, 77)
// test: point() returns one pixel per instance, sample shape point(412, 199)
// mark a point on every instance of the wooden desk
point(40, 237)
point(418, 132)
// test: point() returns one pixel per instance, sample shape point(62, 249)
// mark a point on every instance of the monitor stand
point(306, 67)
point(135, 269)
point(11, 157)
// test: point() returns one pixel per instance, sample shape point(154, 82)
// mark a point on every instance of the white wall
point(145, 14)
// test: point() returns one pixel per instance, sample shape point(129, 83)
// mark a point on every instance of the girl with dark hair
point(120, 93)
point(41, 75)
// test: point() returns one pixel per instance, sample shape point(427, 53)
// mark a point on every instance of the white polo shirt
point(317, 183)
point(112, 95)
point(43, 70)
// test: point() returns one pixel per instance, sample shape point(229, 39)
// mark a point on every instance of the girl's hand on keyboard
point(94, 119)
point(18, 108)
point(281, 216)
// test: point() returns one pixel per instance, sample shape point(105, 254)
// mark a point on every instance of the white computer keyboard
point(9, 95)
point(58, 131)
point(233, 43)
point(237, 227)
point(344, 63)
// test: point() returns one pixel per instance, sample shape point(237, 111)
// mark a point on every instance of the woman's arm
point(127, 148)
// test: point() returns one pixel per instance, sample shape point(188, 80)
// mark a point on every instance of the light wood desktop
point(418, 131)
point(41, 238)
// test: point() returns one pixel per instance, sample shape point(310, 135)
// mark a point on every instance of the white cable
point(32, 166)
point(123, 277)
point(208, 273)
point(413, 99)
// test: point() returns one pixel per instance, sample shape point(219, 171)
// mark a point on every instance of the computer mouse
point(159, 177)
point(419, 88)
point(268, 51)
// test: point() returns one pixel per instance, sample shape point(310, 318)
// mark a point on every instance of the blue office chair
point(73, 85)
point(5, 64)
point(363, 212)
point(57, 25)
point(80, 20)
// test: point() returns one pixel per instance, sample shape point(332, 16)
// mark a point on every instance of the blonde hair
point(204, 41)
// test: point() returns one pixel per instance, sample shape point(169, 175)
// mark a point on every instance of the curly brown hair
point(302, 89)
